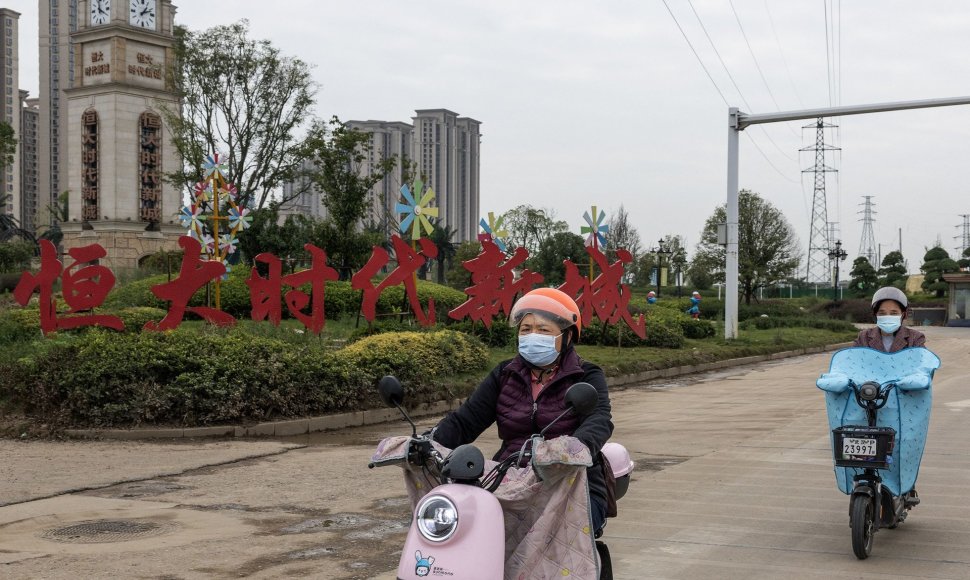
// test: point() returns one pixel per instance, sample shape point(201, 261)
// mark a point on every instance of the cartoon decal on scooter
point(423, 567)
point(878, 408)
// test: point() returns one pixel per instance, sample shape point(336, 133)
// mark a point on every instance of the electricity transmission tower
point(867, 247)
point(817, 260)
point(965, 237)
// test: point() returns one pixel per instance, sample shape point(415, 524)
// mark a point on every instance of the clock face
point(142, 13)
point(100, 11)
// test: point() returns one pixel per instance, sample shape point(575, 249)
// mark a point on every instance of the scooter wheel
point(862, 520)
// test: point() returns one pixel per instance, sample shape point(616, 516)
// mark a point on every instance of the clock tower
point(119, 147)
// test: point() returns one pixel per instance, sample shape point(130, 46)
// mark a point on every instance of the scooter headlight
point(437, 518)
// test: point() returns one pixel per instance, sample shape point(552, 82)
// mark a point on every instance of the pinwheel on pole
point(215, 217)
point(597, 231)
point(492, 230)
point(416, 212)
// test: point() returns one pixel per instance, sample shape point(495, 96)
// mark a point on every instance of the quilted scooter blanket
point(547, 521)
point(907, 409)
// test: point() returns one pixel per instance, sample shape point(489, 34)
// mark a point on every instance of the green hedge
point(340, 298)
point(185, 377)
point(766, 322)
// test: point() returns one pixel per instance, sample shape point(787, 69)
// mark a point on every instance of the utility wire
point(755, 59)
point(781, 53)
point(719, 92)
point(733, 82)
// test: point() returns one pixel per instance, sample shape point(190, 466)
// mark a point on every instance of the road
point(733, 480)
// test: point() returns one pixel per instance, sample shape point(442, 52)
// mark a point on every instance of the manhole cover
point(105, 531)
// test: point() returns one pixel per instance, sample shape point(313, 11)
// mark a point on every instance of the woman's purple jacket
point(505, 398)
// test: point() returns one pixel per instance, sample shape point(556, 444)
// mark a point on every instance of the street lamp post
point(661, 250)
point(836, 255)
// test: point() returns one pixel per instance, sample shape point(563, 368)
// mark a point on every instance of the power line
point(781, 53)
point(697, 56)
point(733, 82)
point(719, 92)
point(753, 57)
point(828, 62)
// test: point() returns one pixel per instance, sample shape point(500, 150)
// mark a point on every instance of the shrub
point(798, 322)
point(19, 324)
point(849, 310)
point(697, 329)
point(663, 331)
point(184, 377)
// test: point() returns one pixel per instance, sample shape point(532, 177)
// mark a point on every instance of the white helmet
point(889, 293)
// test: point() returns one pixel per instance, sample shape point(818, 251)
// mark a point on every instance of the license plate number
point(858, 447)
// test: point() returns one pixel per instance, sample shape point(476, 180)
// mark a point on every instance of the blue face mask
point(889, 324)
point(538, 349)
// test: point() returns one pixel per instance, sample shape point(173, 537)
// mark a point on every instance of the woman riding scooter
point(524, 394)
point(889, 335)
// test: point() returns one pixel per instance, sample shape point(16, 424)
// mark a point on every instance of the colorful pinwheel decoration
point(215, 217)
point(492, 230)
point(597, 233)
point(416, 212)
point(596, 229)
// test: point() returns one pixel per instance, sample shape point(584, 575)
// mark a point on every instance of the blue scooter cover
point(907, 409)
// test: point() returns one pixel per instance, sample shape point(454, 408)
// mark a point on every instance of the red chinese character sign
point(84, 287)
point(266, 294)
point(194, 274)
point(409, 261)
point(605, 296)
point(494, 284)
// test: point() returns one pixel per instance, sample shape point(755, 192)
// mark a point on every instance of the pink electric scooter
point(458, 529)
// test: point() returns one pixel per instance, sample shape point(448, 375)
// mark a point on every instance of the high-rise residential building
point(10, 111)
point(441, 147)
point(30, 202)
point(57, 20)
point(446, 150)
point(388, 139)
point(301, 197)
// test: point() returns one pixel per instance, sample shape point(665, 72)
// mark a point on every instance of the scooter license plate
point(858, 447)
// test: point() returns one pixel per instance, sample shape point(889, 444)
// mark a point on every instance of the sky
point(606, 104)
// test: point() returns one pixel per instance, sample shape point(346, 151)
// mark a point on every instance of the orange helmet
point(550, 303)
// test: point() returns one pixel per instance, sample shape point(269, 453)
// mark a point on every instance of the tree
point(441, 237)
point(865, 279)
point(8, 145)
point(459, 277)
point(243, 98)
point(341, 156)
point(285, 240)
point(893, 270)
point(700, 276)
point(964, 263)
point(937, 262)
point(622, 234)
point(642, 269)
point(767, 245)
point(529, 226)
point(555, 249)
point(53, 214)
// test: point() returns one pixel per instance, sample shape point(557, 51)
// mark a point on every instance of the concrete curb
point(374, 416)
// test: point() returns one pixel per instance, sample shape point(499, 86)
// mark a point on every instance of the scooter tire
point(606, 564)
point(862, 521)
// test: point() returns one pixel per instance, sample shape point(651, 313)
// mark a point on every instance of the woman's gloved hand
point(833, 382)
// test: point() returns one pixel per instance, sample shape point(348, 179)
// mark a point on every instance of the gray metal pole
point(731, 263)
point(737, 122)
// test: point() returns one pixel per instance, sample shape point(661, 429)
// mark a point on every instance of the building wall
point(57, 20)
point(32, 207)
point(10, 106)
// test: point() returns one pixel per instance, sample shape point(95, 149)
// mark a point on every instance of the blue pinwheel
point(596, 229)
point(416, 213)
point(492, 230)
point(239, 218)
point(214, 165)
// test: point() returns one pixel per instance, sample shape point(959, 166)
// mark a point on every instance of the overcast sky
point(608, 105)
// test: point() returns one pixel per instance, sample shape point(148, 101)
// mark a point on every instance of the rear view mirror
point(391, 391)
point(582, 397)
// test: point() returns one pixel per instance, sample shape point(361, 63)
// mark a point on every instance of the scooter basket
point(863, 446)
